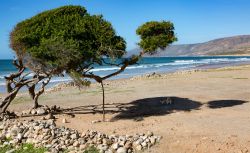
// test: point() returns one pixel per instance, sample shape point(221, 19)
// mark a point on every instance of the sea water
point(145, 65)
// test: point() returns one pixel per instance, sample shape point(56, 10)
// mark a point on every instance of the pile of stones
point(57, 139)
point(41, 110)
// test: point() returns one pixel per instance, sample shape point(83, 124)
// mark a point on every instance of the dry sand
point(210, 112)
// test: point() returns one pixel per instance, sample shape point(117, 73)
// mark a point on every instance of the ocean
point(145, 66)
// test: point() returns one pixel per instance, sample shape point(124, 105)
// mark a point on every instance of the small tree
point(68, 39)
point(15, 81)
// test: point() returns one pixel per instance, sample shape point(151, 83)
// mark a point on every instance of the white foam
point(174, 64)
point(60, 79)
point(104, 69)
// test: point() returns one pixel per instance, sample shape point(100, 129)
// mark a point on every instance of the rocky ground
point(45, 133)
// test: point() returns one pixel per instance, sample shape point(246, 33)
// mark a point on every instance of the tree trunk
point(32, 91)
point(36, 103)
point(103, 103)
point(6, 102)
point(35, 95)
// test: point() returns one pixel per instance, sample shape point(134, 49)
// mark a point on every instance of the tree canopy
point(66, 37)
point(156, 35)
point(69, 39)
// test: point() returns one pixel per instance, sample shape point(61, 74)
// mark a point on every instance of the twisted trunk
point(15, 81)
point(39, 93)
point(7, 100)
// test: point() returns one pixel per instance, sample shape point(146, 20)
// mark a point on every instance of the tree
point(69, 40)
point(15, 81)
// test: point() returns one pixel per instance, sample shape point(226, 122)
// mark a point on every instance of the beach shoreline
point(145, 66)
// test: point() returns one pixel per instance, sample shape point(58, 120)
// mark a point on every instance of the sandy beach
point(209, 112)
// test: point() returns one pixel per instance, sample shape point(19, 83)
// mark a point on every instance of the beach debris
point(64, 120)
point(45, 133)
point(138, 119)
point(95, 121)
point(167, 101)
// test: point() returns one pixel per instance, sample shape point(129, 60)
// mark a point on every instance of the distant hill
point(224, 46)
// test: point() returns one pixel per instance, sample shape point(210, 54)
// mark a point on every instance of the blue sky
point(195, 20)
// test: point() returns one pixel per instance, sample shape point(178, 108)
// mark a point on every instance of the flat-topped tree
point(68, 39)
point(65, 39)
point(155, 35)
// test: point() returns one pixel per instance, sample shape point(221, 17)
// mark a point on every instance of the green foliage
point(156, 35)
point(65, 38)
point(4, 149)
point(25, 148)
point(78, 79)
point(68, 39)
point(91, 150)
point(29, 148)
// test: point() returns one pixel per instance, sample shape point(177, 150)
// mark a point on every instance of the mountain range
point(236, 45)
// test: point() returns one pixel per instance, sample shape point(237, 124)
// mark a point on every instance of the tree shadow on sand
point(156, 106)
point(224, 103)
point(139, 108)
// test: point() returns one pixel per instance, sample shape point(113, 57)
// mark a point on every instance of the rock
point(121, 143)
point(1, 127)
point(128, 145)
point(64, 120)
point(102, 147)
point(149, 134)
point(152, 140)
point(138, 147)
point(106, 141)
point(121, 150)
point(144, 144)
point(19, 136)
point(109, 151)
point(82, 146)
point(48, 146)
point(74, 136)
point(14, 132)
point(115, 146)
point(26, 112)
point(11, 151)
point(95, 121)
point(33, 111)
point(49, 116)
point(40, 111)
point(6, 143)
point(139, 141)
point(158, 138)
point(46, 134)
point(83, 134)
point(25, 148)
point(76, 144)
